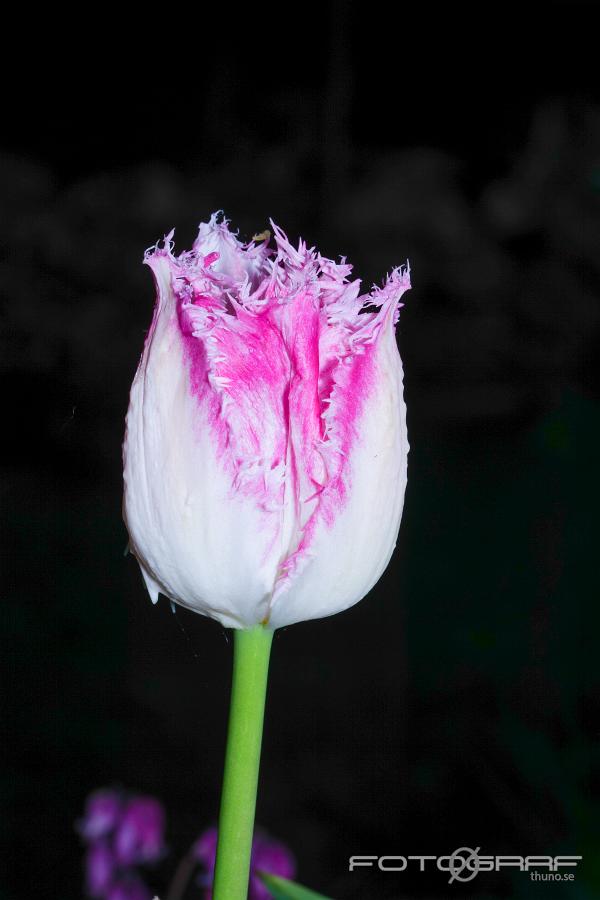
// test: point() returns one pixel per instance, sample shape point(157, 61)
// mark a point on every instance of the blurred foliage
point(507, 589)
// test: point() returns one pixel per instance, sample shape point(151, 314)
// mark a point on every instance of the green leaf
point(283, 889)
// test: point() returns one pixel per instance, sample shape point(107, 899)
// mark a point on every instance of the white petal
point(198, 543)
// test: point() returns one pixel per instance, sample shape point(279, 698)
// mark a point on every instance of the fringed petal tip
point(395, 284)
point(386, 298)
point(254, 276)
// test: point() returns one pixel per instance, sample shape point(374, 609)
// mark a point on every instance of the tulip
point(100, 866)
point(264, 461)
point(265, 450)
point(139, 837)
point(121, 832)
point(129, 889)
point(102, 813)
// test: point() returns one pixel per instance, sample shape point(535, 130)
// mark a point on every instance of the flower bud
point(265, 450)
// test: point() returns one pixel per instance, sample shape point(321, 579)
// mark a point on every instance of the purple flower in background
point(99, 868)
point(102, 811)
point(267, 856)
point(121, 831)
point(272, 857)
point(139, 836)
point(205, 849)
point(129, 889)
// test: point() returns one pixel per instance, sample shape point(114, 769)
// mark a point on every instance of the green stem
point(251, 652)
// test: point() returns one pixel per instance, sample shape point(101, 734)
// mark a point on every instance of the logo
point(466, 863)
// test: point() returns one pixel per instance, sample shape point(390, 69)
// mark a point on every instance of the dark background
point(456, 705)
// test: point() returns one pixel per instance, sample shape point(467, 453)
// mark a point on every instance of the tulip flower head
point(265, 451)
